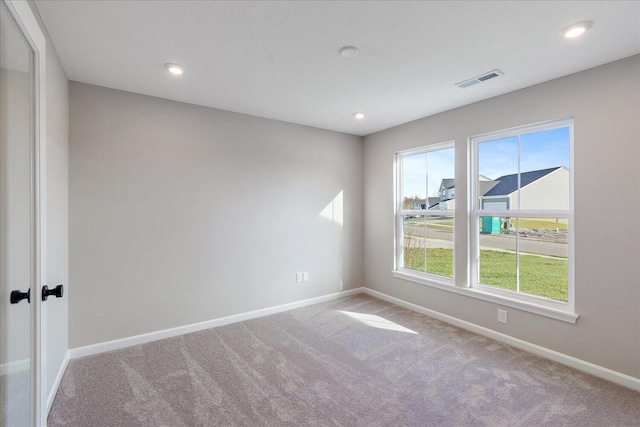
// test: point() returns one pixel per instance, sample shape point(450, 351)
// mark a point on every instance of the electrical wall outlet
point(502, 316)
point(299, 277)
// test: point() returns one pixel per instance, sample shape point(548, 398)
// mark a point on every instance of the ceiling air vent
point(479, 79)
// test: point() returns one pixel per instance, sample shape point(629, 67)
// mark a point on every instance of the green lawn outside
point(526, 223)
point(438, 261)
point(430, 221)
point(545, 277)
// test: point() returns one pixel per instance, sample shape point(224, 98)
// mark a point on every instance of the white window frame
point(564, 311)
point(400, 213)
point(546, 306)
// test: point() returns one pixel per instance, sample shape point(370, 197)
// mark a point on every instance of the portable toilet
point(491, 224)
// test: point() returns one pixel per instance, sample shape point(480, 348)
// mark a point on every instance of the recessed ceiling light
point(358, 115)
point(349, 51)
point(576, 29)
point(174, 69)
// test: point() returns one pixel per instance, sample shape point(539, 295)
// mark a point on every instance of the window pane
point(441, 173)
point(498, 261)
point(498, 173)
point(544, 166)
point(527, 255)
point(428, 244)
point(528, 171)
point(428, 180)
point(414, 181)
point(542, 257)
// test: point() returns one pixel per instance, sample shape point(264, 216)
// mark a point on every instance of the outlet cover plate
point(502, 316)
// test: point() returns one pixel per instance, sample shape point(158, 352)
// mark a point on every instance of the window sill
point(490, 297)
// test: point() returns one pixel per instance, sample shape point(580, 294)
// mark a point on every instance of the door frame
point(29, 27)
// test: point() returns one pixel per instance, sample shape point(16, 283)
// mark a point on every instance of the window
point(522, 213)
point(519, 212)
point(424, 212)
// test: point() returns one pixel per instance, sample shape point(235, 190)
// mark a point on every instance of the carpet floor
point(356, 361)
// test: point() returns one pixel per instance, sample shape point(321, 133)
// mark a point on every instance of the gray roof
point(507, 184)
point(433, 201)
point(485, 186)
point(448, 183)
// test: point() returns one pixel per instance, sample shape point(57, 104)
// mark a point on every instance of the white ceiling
point(280, 59)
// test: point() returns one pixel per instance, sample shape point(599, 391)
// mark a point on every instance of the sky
point(539, 150)
point(440, 164)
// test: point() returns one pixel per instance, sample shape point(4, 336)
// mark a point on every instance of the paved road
point(443, 238)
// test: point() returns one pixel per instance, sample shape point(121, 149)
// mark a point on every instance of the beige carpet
point(357, 361)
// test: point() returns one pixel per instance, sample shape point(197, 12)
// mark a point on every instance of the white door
point(20, 217)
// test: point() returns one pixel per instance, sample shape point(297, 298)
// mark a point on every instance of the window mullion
point(424, 241)
point(518, 220)
point(517, 254)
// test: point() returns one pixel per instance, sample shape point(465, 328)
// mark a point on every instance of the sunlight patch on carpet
point(377, 322)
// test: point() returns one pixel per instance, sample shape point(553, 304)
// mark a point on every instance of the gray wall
point(180, 214)
point(605, 104)
point(57, 213)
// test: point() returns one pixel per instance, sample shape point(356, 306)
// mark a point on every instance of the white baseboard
point(588, 367)
point(58, 380)
point(581, 365)
point(181, 330)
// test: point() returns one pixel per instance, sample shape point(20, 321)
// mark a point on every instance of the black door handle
point(57, 292)
point(17, 296)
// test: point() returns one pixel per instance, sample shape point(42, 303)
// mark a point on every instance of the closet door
point(20, 218)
